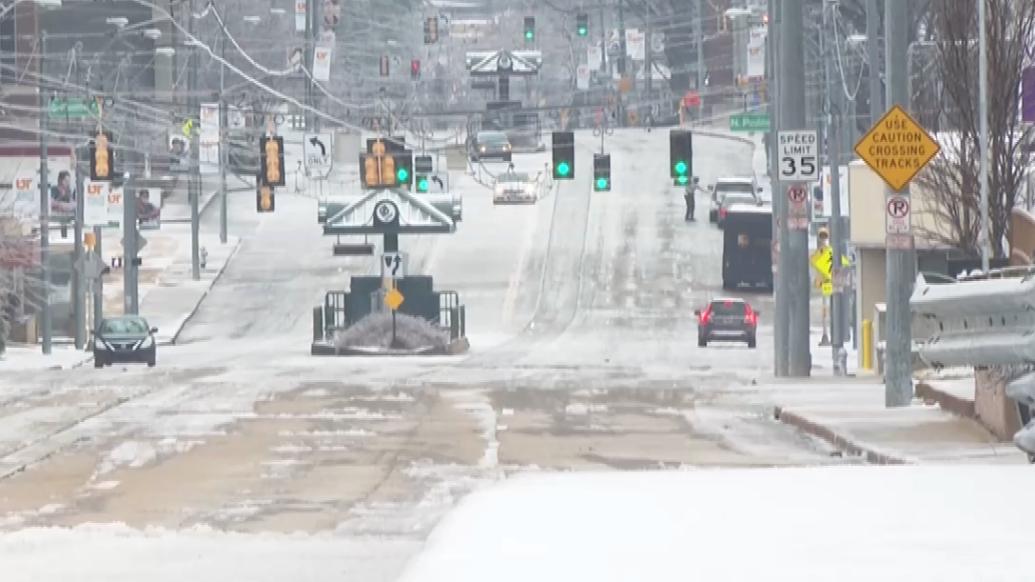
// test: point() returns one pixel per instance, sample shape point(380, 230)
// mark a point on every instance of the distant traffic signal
point(563, 155)
point(384, 66)
point(529, 28)
point(102, 157)
point(601, 172)
point(430, 30)
point(271, 157)
point(265, 200)
point(415, 69)
point(403, 168)
point(681, 155)
point(423, 185)
point(582, 24)
point(422, 164)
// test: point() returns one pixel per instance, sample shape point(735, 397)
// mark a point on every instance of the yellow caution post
point(867, 344)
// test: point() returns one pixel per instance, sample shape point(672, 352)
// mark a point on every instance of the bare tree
point(953, 177)
point(19, 255)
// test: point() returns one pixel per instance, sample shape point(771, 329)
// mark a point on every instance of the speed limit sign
point(799, 157)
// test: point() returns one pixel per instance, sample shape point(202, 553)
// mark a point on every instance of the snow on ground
point(830, 523)
point(117, 553)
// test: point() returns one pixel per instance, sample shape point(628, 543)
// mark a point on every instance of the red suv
point(727, 319)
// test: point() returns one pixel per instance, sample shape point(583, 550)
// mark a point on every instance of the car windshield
point(492, 137)
point(124, 326)
point(734, 187)
point(724, 307)
point(515, 177)
point(738, 199)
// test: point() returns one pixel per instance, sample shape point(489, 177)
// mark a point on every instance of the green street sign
point(77, 108)
point(749, 122)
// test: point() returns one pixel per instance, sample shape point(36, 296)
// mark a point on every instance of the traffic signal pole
point(898, 372)
point(779, 212)
point(794, 251)
point(45, 315)
point(834, 107)
point(194, 181)
point(224, 144)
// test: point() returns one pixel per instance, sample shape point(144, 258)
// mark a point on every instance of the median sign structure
point(897, 148)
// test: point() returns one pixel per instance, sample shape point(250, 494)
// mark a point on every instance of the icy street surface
point(584, 357)
point(762, 524)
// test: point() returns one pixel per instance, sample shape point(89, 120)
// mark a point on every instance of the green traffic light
point(681, 168)
point(601, 183)
point(422, 185)
point(402, 175)
point(583, 31)
point(563, 169)
point(682, 180)
point(529, 35)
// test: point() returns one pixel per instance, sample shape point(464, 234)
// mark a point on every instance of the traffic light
point(529, 28)
point(563, 155)
point(601, 172)
point(423, 184)
point(384, 65)
point(430, 30)
point(271, 156)
point(265, 200)
point(582, 24)
point(415, 69)
point(681, 156)
point(422, 164)
point(403, 168)
point(102, 157)
point(384, 167)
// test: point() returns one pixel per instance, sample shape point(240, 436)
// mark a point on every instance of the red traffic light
point(415, 68)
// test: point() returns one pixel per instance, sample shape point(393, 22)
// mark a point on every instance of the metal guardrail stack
point(982, 320)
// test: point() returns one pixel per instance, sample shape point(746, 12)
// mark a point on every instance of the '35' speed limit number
point(798, 152)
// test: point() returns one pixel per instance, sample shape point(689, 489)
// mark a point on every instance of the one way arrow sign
point(393, 265)
point(315, 149)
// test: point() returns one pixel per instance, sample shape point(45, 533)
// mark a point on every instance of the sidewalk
point(850, 414)
point(168, 294)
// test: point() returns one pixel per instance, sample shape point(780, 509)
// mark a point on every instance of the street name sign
point(799, 156)
point(897, 148)
point(749, 122)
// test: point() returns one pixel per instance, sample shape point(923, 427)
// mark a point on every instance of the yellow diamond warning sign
point(897, 148)
point(394, 299)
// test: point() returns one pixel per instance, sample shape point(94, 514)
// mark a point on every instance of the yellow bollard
point(867, 344)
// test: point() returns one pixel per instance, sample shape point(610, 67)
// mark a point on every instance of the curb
point(839, 441)
point(949, 402)
point(197, 306)
point(719, 135)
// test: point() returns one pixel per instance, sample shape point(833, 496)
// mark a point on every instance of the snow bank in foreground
point(827, 523)
point(117, 553)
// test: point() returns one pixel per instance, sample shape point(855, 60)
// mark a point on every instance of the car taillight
point(722, 213)
point(750, 316)
point(706, 315)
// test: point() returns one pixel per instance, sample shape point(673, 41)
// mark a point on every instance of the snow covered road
point(584, 356)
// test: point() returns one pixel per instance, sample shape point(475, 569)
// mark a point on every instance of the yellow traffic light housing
point(379, 167)
point(271, 154)
point(265, 200)
point(102, 158)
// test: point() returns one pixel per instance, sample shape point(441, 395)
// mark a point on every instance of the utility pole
point(794, 251)
point(779, 213)
point(130, 287)
point(699, 28)
point(78, 281)
point(873, 54)
point(224, 144)
point(898, 371)
point(983, 238)
point(98, 284)
point(307, 57)
point(45, 315)
point(834, 107)
point(194, 180)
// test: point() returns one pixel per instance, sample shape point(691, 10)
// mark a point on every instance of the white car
point(516, 188)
